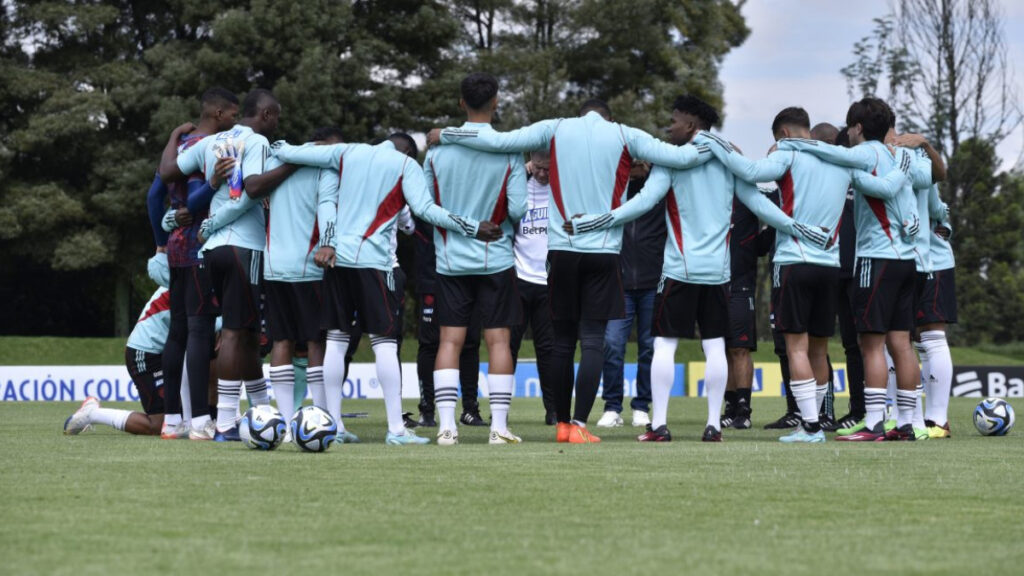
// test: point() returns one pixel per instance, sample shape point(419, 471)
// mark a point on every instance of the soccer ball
point(262, 428)
point(313, 429)
point(993, 417)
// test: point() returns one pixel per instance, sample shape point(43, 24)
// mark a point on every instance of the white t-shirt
point(531, 243)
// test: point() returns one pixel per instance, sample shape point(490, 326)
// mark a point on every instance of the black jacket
point(643, 245)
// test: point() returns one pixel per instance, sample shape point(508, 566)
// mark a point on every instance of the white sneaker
point(79, 421)
point(180, 431)
point(205, 433)
point(447, 437)
point(641, 419)
point(506, 437)
point(610, 419)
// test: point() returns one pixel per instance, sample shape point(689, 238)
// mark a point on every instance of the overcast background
point(793, 57)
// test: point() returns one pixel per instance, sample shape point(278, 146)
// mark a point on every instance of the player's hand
point(529, 168)
point(488, 231)
point(434, 137)
point(325, 257)
point(183, 129)
point(204, 231)
point(817, 235)
point(183, 217)
point(222, 171)
point(909, 141)
point(943, 231)
point(567, 225)
point(911, 227)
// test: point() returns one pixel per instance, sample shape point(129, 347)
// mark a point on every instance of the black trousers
point(848, 333)
point(537, 315)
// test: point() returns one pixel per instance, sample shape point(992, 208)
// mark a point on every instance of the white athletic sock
point(890, 386)
point(716, 376)
point(282, 380)
point(923, 388)
point(334, 374)
point(256, 390)
point(315, 384)
point(918, 408)
point(874, 405)
point(805, 393)
point(940, 375)
point(663, 372)
point(199, 421)
point(186, 394)
point(389, 374)
point(820, 390)
point(500, 387)
point(110, 417)
point(906, 401)
point(446, 395)
point(227, 403)
point(172, 420)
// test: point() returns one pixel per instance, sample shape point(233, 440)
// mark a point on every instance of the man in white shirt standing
point(531, 253)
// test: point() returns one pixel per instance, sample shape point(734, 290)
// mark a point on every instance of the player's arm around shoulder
point(487, 139)
point(655, 188)
point(516, 191)
point(861, 157)
point(643, 146)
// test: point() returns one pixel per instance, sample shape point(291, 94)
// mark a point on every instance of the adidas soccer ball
point(262, 428)
point(993, 417)
point(313, 429)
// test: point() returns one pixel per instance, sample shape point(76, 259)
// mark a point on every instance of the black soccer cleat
point(728, 415)
point(742, 419)
point(827, 423)
point(661, 434)
point(409, 421)
point(849, 421)
point(473, 419)
point(711, 434)
point(788, 420)
point(427, 420)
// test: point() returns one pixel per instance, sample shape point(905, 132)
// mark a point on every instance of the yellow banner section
point(767, 379)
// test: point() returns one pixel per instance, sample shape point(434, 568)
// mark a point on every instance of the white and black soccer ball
point(313, 429)
point(994, 417)
point(262, 428)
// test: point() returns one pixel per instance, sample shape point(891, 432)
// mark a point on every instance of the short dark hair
point(873, 116)
point(541, 154)
point(596, 105)
point(824, 132)
point(794, 115)
point(892, 115)
point(689, 104)
point(325, 133)
point(253, 101)
point(218, 96)
point(411, 148)
point(843, 137)
point(478, 89)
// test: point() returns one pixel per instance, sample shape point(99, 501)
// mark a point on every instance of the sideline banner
point(988, 381)
point(767, 379)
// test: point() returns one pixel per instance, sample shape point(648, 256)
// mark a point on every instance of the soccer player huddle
point(303, 237)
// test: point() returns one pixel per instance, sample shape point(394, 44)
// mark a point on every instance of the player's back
point(292, 231)
point(153, 325)
point(483, 186)
point(699, 217)
point(813, 192)
point(879, 222)
point(249, 230)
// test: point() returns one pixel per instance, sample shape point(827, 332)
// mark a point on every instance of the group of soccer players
point(304, 237)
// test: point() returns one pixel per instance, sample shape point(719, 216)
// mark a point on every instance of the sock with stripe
point(940, 375)
point(716, 377)
point(389, 374)
point(334, 374)
point(256, 390)
point(315, 383)
point(446, 395)
point(111, 417)
point(663, 372)
point(282, 380)
point(227, 403)
point(906, 402)
point(874, 406)
point(500, 387)
point(806, 395)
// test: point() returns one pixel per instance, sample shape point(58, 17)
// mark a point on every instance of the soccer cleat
point(578, 434)
point(890, 425)
point(728, 415)
point(427, 420)
point(506, 437)
point(863, 435)
point(727, 420)
point(921, 434)
point(850, 430)
point(903, 433)
point(800, 435)
point(711, 434)
point(610, 419)
point(562, 431)
point(828, 424)
point(405, 438)
point(447, 438)
point(346, 437)
point(550, 419)
point(229, 435)
point(409, 421)
point(641, 419)
point(788, 420)
point(651, 435)
point(936, 431)
point(848, 421)
point(473, 419)
point(79, 421)
point(179, 432)
point(206, 433)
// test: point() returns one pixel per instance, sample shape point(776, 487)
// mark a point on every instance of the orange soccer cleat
point(580, 435)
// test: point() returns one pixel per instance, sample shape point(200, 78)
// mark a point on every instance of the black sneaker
point(408, 420)
point(849, 421)
point(551, 418)
point(427, 420)
point(711, 434)
point(651, 435)
point(788, 420)
point(742, 419)
point(729, 415)
point(827, 423)
point(473, 419)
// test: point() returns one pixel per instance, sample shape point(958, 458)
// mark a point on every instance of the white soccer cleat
point(506, 437)
point(641, 419)
point(180, 431)
point(447, 438)
point(79, 421)
point(205, 433)
point(610, 419)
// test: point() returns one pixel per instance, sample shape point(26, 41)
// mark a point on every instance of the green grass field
point(105, 502)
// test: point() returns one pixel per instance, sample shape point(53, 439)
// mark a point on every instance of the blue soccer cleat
point(346, 437)
point(229, 435)
point(405, 438)
point(803, 436)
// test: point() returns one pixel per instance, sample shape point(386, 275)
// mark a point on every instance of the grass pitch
point(108, 503)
